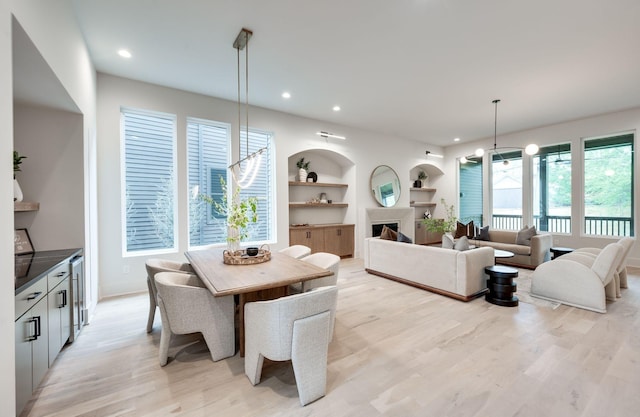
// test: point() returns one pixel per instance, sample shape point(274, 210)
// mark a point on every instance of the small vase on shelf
point(302, 174)
point(17, 191)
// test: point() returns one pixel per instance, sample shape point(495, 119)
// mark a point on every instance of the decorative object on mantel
point(240, 213)
point(17, 191)
point(22, 242)
point(244, 178)
point(427, 214)
point(249, 256)
point(302, 169)
point(445, 226)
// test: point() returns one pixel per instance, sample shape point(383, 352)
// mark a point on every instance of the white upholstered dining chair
point(297, 327)
point(154, 266)
point(296, 251)
point(323, 260)
point(187, 306)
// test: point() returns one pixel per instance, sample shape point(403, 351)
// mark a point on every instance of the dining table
point(253, 282)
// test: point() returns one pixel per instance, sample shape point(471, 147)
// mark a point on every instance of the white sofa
point(449, 272)
point(524, 256)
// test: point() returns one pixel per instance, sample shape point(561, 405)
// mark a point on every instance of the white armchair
point(621, 271)
point(153, 267)
point(186, 306)
point(296, 251)
point(578, 281)
point(297, 327)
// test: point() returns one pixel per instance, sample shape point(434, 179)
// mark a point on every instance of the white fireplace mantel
point(405, 217)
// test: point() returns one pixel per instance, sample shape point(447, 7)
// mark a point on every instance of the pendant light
point(245, 170)
point(530, 149)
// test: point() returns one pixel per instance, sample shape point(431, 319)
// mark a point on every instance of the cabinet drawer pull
point(64, 298)
point(60, 274)
point(34, 295)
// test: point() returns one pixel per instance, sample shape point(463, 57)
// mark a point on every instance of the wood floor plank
point(397, 351)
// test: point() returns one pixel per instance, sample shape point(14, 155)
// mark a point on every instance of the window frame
point(126, 253)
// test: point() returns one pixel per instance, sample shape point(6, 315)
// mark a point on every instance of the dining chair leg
point(310, 359)
point(152, 307)
point(165, 336)
point(253, 361)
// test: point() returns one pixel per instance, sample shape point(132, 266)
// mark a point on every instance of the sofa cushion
point(403, 238)
point(483, 233)
point(388, 234)
point(447, 241)
point(524, 235)
point(462, 244)
point(467, 230)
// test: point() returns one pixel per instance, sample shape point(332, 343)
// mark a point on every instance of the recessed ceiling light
point(336, 108)
point(124, 53)
point(456, 139)
point(286, 95)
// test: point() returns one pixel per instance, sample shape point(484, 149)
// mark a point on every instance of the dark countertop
point(30, 268)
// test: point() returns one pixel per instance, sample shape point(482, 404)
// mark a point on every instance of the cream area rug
point(523, 290)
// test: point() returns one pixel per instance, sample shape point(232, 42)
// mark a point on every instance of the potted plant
point(240, 213)
point(443, 226)
point(17, 191)
point(303, 168)
point(421, 176)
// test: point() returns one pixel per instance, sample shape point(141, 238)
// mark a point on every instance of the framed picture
point(22, 242)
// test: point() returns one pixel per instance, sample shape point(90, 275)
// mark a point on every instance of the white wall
point(572, 132)
point(361, 153)
point(52, 28)
point(52, 174)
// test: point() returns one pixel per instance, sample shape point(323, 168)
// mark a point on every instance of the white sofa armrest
point(540, 248)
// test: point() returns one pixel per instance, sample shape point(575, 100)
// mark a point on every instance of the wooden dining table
point(254, 282)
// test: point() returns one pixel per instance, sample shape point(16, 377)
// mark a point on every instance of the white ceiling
point(419, 69)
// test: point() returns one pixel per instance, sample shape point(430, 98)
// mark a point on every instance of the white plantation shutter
point(149, 189)
point(262, 186)
point(208, 158)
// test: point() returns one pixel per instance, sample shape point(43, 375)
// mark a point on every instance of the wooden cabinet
point(32, 347)
point(425, 237)
point(312, 237)
point(339, 240)
point(332, 238)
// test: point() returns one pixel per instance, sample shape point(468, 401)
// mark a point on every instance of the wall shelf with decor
point(318, 205)
point(317, 184)
point(19, 206)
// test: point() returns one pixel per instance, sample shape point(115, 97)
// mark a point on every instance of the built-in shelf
point(421, 204)
point(317, 184)
point(322, 205)
point(25, 206)
point(425, 190)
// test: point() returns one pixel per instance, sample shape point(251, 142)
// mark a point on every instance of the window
point(262, 186)
point(507, 190)
point(471, 191)
point(608, 186)
point(149, 184)
point(552, 189)
point(208, 158)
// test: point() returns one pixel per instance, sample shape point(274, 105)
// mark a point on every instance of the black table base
point(501, 286)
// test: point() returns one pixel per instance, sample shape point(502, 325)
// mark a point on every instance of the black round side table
point(501, 285)
point(559, 251)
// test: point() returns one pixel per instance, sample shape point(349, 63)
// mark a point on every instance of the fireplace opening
point(376, 229)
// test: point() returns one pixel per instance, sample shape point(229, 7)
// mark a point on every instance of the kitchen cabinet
point(332, 238)
point(59, 313)
point(31, 342)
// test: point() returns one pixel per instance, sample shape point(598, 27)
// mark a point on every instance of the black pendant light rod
point(495, 123)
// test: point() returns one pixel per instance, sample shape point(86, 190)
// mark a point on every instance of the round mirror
point(385, 186)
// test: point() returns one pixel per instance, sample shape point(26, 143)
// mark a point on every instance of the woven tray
point(240, 257)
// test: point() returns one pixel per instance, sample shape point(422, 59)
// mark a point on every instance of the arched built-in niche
point(309, 201)
point(424, 200)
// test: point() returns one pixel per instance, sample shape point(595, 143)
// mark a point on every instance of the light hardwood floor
point(397, 351)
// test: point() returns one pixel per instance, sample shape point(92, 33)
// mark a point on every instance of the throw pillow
point(467, 230)
point(404, 238)
point(462, 244)
point(483, 233)
point(388, 234)
point(524, 235)
point(461, 230)
point(447, 241)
